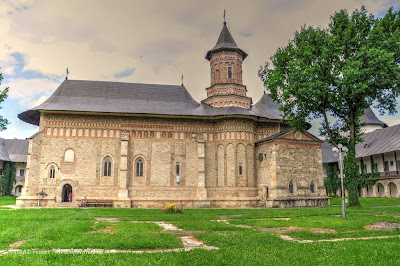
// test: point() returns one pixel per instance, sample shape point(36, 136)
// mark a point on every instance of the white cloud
point(30, 102)
point(159, 39)
point(27, 88)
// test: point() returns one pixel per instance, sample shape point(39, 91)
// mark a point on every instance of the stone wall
point(216, 158)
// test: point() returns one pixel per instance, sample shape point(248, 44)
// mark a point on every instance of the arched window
point(69, 155)
point(229, 72)
point(139, 167)
point(52, 172)
point(291, 187)
point(312, 187)
point(107, 164)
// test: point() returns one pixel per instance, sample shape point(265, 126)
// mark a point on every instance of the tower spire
point(224, 17)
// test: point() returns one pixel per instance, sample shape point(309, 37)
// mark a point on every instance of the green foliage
point(337, 72)
point(7, 181)
point(3, 95)
point(373, 170)
point(351, 173)
point(332, 182)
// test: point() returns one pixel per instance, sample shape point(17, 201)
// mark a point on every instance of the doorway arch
point(381, 190)
point(18, 190)
point(66, 189)
point(393, 190)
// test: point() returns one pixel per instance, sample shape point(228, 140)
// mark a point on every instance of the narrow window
point(229, 72)
point(267, 193)
point(52, 172)
point(178, 170)
point(139, 167)
point(386, 166)
point(22, 172)
point(240, 169)
point(312, 188)
point(291, 186)
point(375, 167)
point(107, 166)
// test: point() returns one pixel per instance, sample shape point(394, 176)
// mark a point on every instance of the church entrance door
point(65, 192)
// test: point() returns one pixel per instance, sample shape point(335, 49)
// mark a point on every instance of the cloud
point(22, 88)
point(157, 40)
point(30, 102)
point(124, 73)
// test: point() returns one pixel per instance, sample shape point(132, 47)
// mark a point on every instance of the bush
point(172, 208)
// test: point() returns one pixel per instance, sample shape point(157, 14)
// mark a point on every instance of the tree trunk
point(350, 167)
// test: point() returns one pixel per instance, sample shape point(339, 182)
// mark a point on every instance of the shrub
point(172, 208)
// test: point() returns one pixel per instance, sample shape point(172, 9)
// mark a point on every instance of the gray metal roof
point(3, 151)
point(327, 154)
point(225, 42)
point(14, 150)
point(137, 98)
point(369, 118)
point(379, 141)
point(376, 142)
point(17, 149)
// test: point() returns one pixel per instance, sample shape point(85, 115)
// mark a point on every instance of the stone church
point(145, 145)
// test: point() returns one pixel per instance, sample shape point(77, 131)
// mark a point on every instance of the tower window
point(312, 187)
point(139, 167)
point(107, 166)
point(291, 189)
point(178, 169)
point(240, 169)
point(229, 72)
point(52, 172)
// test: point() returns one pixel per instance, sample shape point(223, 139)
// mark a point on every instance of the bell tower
point(227, 87)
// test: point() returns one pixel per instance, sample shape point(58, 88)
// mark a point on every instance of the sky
point(144, 41)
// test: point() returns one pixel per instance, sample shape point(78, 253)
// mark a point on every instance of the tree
point(7, 181)
point(332, 182)
point(3, 96)
point(335, 73)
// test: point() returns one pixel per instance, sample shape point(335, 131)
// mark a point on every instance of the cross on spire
point(182, 79)
point(66, 77)
point(224, 17)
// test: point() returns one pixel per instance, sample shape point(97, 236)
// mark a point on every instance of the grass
point(7, 200)
point(45, 229)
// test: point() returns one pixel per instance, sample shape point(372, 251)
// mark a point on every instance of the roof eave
point(209, 53)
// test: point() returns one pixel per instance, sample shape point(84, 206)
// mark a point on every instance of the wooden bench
point(99, 203)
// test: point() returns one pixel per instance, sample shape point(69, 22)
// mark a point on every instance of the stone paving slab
point(189, 242)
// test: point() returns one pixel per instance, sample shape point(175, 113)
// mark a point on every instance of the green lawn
point(45, 229)
point(7, 200)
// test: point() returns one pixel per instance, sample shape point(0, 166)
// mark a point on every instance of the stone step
point(66, 205)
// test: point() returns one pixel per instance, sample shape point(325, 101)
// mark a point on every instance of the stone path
point(280, 230)
point(383, 226)
point(189, 242)
point(286, 237)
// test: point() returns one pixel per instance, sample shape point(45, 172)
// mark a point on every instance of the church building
point(146, 145)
